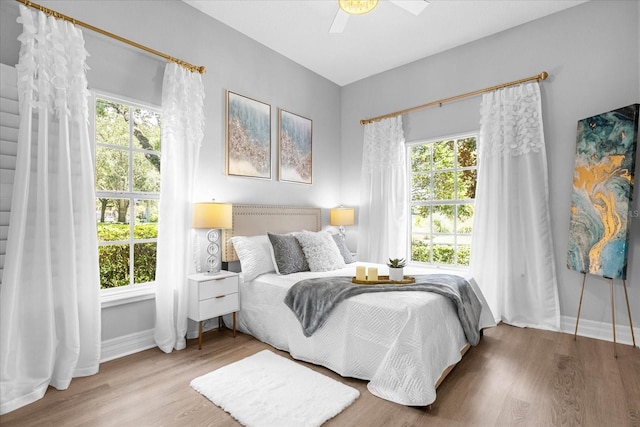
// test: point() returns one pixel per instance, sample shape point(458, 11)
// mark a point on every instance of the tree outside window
point(443, 189)
point(127, 171)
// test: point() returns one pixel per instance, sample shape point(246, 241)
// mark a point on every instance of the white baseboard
point(599, 330)
point(126, 345)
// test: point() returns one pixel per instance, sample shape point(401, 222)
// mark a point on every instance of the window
point(127, 173)
point(443, 189)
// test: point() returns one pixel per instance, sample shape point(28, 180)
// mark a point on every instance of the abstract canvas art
point(248, 131)
point(602, 193)
point(294, 147)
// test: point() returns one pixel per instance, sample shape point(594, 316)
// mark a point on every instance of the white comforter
point(400, 341)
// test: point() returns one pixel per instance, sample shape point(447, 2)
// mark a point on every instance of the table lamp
point(213, 216)
point(341, 216)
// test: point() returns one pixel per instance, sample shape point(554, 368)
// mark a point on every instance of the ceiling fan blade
point(339, 22)
point(414, 7)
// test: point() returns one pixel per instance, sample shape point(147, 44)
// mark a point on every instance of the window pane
point(420, 250)
point(146, 172)
point(421, 158)
point(467, 154)
point(464, 254)
point(146, 226)
point(421, 187)
point(146, 129)
point(112, 216)
point(443, 254)
point(467, 184)
point(420, 220)
point(443, 155)
point(112, 123)
point(442, 218)
point(443, 186)
point(144, 262)
point(465, 219)
point(112, 169)
point(114, 265)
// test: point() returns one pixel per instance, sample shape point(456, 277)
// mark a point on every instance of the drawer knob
point(221, 296)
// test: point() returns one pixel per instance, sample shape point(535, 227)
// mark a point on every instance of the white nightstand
point(212, 296)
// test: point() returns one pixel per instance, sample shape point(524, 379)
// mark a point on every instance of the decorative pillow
point(287, 254)
point(320, 250)
point(254, 255)
point(342, 247)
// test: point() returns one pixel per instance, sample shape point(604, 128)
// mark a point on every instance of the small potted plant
point(396, 268)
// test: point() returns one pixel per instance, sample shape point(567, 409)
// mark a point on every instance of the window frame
point(453, 202)
point(133, 291)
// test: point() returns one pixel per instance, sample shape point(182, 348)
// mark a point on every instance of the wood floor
point(514, 377)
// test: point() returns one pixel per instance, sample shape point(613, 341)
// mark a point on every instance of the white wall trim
point(599, 330)
point(127, 344)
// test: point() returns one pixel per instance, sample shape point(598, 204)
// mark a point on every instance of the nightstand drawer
point(213, 307)
point(214, 288)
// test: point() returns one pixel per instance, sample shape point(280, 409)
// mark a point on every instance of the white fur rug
point(268, 390)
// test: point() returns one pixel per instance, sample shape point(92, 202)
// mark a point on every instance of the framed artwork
point(248, 137)
point(295, 148)
point(602, 193)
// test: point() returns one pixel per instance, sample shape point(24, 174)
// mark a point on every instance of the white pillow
point(321, 251)
point(254, 254)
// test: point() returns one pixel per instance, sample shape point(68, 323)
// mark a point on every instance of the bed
point(403, 343)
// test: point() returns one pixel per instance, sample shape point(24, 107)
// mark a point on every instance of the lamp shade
point(212, 215)
point(341, 216)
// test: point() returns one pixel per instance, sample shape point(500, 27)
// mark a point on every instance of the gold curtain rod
point(542, 76)
point(193, 68)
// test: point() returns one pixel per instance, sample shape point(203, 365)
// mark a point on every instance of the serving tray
point(384, 280)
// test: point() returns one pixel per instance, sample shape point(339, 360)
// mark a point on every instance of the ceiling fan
point(360, 7)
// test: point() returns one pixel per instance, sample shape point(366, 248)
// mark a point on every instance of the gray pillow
point(287, 254)
point(344, 250)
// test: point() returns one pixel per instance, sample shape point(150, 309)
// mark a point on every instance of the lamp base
point(342, 232)
point(213, 260)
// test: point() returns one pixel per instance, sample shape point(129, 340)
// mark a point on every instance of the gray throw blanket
point(312, 300)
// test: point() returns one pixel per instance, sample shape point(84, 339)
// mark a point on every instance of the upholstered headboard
point(254, 220)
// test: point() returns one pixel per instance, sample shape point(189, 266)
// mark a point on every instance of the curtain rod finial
point(544, 75)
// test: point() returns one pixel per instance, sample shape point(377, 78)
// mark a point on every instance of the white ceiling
point(381, 40)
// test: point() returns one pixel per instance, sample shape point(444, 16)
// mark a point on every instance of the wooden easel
point(613, 312)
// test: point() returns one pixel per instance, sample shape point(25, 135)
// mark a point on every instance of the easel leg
point(584, 278)
point(613, 320)
point(626, 296)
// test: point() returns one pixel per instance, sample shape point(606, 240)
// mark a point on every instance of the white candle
point(372, 274)
point(361, 272)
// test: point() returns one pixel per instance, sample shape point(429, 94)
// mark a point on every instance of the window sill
point(118, 296)
point(454, 269)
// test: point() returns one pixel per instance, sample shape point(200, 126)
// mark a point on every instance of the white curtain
point(382, 220)
point(512, 255)
point(50, 297)
point(182, 134)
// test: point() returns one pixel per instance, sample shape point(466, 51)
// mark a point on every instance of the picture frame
point(295, 148)
point(599, 228)
point(247, 137)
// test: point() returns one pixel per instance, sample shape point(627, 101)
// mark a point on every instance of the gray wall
point(592, 55)
point(233, 62)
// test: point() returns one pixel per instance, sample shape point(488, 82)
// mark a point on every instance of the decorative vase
point(396, 274)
